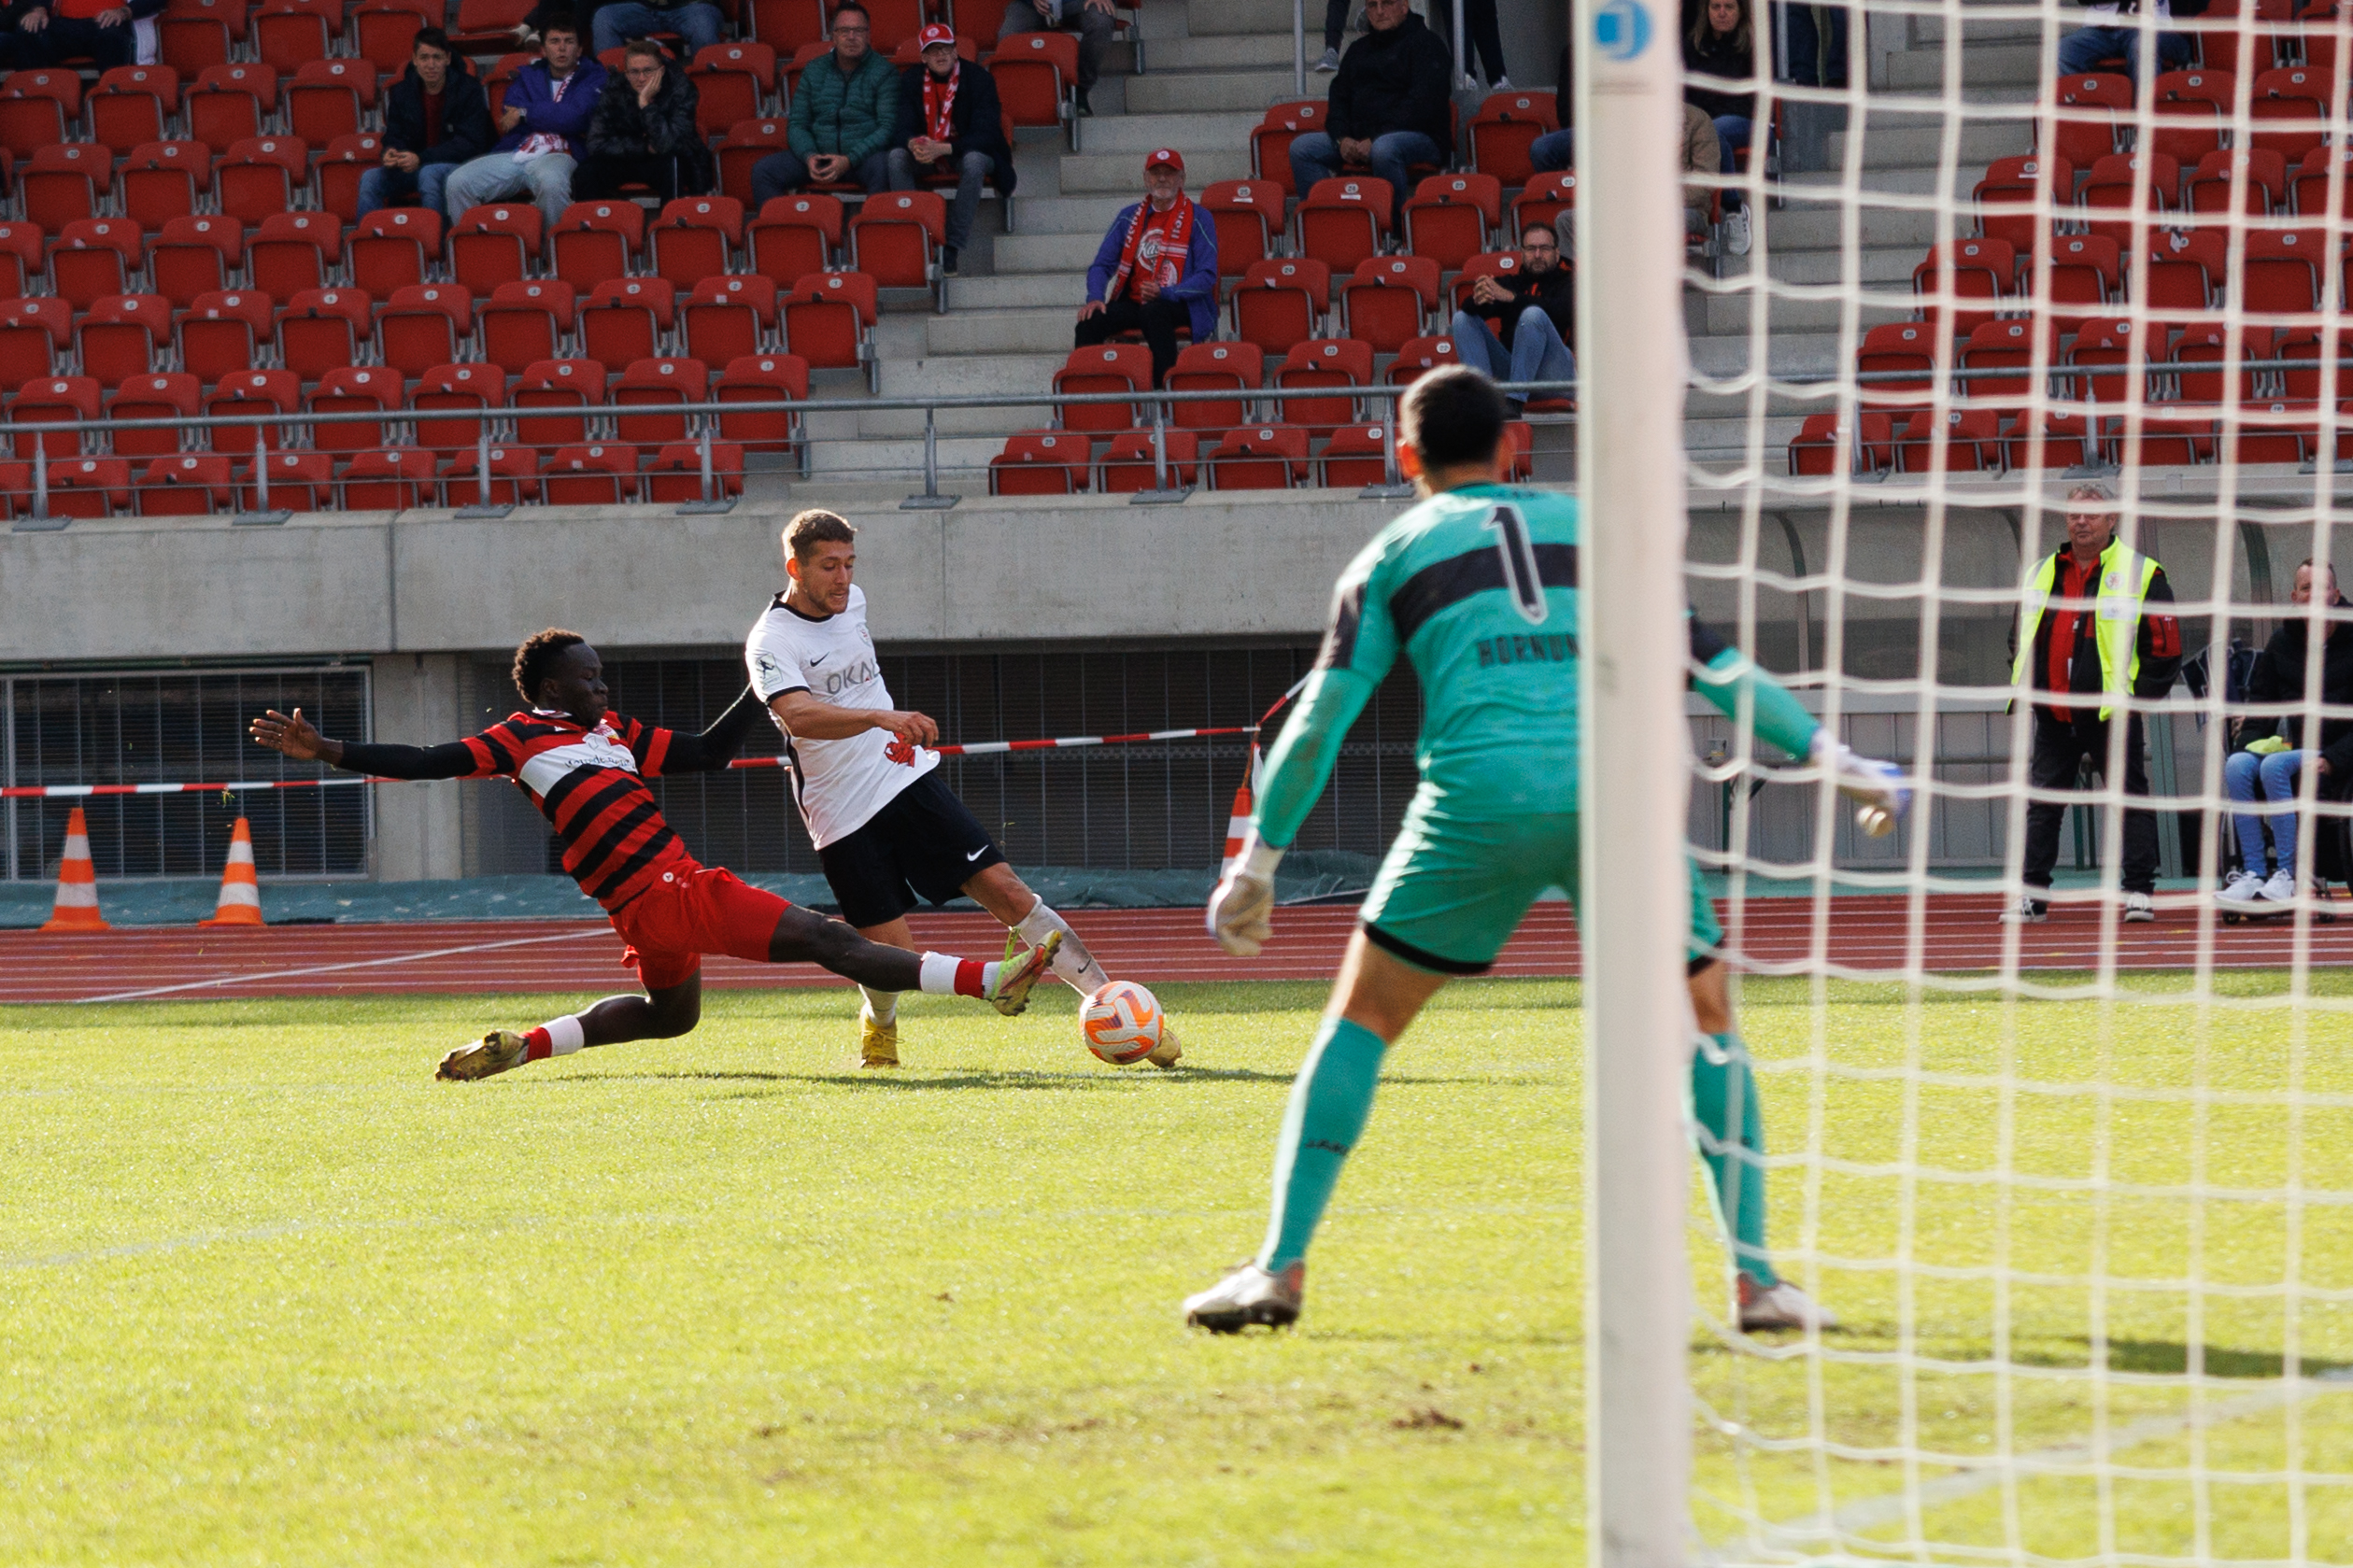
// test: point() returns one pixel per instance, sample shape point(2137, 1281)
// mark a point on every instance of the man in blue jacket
point(1156, 269)
point(544, 126)
point(435, 118)
point(951, 121)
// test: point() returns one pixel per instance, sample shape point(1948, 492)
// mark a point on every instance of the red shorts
point(694, 910)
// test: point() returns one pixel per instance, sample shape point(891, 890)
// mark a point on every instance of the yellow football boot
point(1164, 1054)
point(877, 1042)
point(493, 1053)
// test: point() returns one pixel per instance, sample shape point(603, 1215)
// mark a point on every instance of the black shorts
point(923, 845)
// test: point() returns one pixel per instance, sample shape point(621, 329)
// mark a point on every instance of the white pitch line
point(330, 968)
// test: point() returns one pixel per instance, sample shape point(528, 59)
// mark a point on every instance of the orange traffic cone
point(1238, 824)
point(240, 889)
point(76, 907)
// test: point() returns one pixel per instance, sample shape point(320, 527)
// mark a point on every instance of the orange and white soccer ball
point(1122, 1020)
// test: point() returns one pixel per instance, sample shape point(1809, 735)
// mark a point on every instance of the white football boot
point(1781, 1306)
point(1249, 1295)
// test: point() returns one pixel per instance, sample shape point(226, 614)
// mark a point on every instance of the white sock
point(881, 1005)
point(940, 971)
point(564, 1036)
point(1072, 961)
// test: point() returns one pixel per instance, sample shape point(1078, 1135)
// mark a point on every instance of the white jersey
point(838, 784)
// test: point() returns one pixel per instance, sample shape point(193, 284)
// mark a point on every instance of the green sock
point(1329, 1104)
point(1723, 1098)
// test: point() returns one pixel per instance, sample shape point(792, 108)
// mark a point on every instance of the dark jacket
point(620, 129)
point(1395, 80)
point(1196, 286)
point(1554, 292)
point(852, 116)
point(466, 131)
point(1718, 55)
point(2279, 676)
point(534, 92)
point(2157, 639)
point(977, 118)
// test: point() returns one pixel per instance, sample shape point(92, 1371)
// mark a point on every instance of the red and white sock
point(557, 1037)
point(945, 975)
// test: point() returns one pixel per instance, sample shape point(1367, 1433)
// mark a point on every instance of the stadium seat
point(2110, 186)
point(2085, 115)
point(36, 109)
point(1270, 141)
point(163, 181)
point(795, 235)
point(1037, 77)
point(1389, 300)
point(1451, 218)
point(2289, 107)
point(322, 330)
point(423, 326)
point(2008, 195)
point(64, 182)
point(186, 485)
point(2249, 181)
point(2183, 269)
point(1259, 458)
point(330, 99)
point(2271, 431)
point(1495, 264)
point(595, 241)
point(2320, 169)
point(628, 319)
point(33, 335)
point(1419, 357)
point(119, 338)
point(557, 384)
point(222, 332)
point(493, 244)
point(1343, 220)
point(347, 161)
point(2005, 345)
point(663, 382)
point(1280, 302)
point(1042, 464)
point(260, 176)
point(2285, 270)
point(897, 235)
point(287, 32)
point(1503, 130)
point(54, 400)
point(512, 480)
point(673, 475)
point(385, 30)
point(294, 481)
point(1108, 367)
point(2104, 343)
point(89, 487)
point(1356, 455)
point(132, 105)
point(194, 256)
point(483, 25)
point(2306, 343)
point(1976, 268)
point(1547, 196)
point(746, 142)
point(1127, 464)
point(829, 319)
point(696, 237)
point(602, 474)
point(1813, 452)
point(2086, 276)
point(1203, 367)
point(2214, 344)
point(1249, 215)
point(1916, 349)
point(526, 322)
point(2159, 438)
point(788, 24)
point(2192, 107)
point(293, 251)
point(732, 81)
point(762, 378)
point(354, 389)
point(467, 387)
point(897, 22)
point(1324, 363)
point(727, 318)
point(161, 395)
point(392, 248)
point(1964, 439)
point(21, 246)
point(194, 34)
point(804, 55)
point(2058, 441)
point(93, 258)
point(389, 480)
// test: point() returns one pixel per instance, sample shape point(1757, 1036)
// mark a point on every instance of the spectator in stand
point(1487, 39)
point(2112, 36)
point(1389, 107)
point(2097, 627)
point(437, 118)
point(843, 114)
point(1520, 328)
point(57, 31)
point(1722, 47)
point(2270, 747)
point(1156, 269)
point(545, 126)
point(1091, 19)
point(1703, 155)
point(950, 122)
point(697, 21)
point(642, 132)
point(1556, 151)
point(1335, 25)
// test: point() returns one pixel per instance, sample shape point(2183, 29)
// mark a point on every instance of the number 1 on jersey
point(1519, 562)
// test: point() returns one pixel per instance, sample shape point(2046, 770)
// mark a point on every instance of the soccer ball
point(1122, 1020)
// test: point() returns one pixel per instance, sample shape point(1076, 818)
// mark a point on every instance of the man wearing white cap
point(950, 125)
point(1156, 270)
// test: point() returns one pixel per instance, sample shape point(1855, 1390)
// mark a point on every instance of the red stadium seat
point(2215, 345)
point(1547, 196)
point(1270, 142)
point(1963, 439)
point(2285, 270)
point(2086, 276)
point(322, 330)
point(2005, 345)
point(526, 322)
point(245, 394)
point(1108, 367)
point(165, 395)
point(187, 485)
point(93, 258)
point(627, 318)
point(896, 236)
point(1976, 268)
point(2291, 109)
point(829, 319)
point(132, 104)
point(1916, 349)
point(1259, 458)
point(2307, 342)
point(33, 338)
point(2160, 438)
point(391, 249)
point(162, 181)
point(2110, 186)
point(664, 382)
point(329, 99)
point(354, 389)
point(795, 235)
point(287, 32)
point(1041, 463)
point(293, 251)
point(1389, 301)
point(1419, 357)
point(2085, 115)
point(2191, 108)
point(119, 336)
point(696, 237)
point(468, 388)
point(19, 258)
point(557, 384)
point(732, 82)
point(194, 256)
point(1356, 455)
point(2321, 169)
point(1869, 443)
point(595, 241)
point(2247, 182)
point(1279, 303)
point(347, 161)
point(53, 401)
point(260, 176)
point(2105, 344)
point(2008, 195)
point(386, 30)
point(1343, 220)
point(1037, 77)
point(89, 487)
point(1449, 217)
point(1128, 465)
point(296, 481)
point(2184, 269)
point(673, 475)
point(493, 244)
point(1324, 363)
point(36, 108)
point(1203, 367)
point(1249, 215)
point(389, 480)
point(1495, 264)
point(788, 24)
point(1503, 130)
point(602, 474)
point(727, 318)
point(62, 183)
point(222, 332)
point(762, 378)
point(748, 141)
point(425, 325)
point(194, 34)
point(2272, 431)
point(513, 478)
point(2058, 441)
point(482, 25)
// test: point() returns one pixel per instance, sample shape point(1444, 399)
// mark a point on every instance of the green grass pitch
point(273, 1295)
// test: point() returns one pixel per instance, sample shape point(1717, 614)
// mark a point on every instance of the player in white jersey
point(887, 829)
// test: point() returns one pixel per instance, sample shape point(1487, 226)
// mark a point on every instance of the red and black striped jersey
point(590, 786)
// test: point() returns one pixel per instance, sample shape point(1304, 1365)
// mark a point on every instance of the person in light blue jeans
point(2248, 778)
point(2274, 748)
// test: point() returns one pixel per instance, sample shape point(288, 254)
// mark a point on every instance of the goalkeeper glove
point(1877, 788)
point(1239, 911)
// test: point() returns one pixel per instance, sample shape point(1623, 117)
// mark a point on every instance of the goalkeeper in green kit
point(1477, 586)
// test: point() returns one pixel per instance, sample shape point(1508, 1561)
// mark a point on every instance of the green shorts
point(1451, 892)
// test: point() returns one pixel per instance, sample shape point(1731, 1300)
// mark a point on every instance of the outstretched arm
point(715, 747)
point(295, 736)
point(1723, 672)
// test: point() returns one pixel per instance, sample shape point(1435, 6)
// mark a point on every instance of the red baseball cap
point(1164, 158)
point(938, 32)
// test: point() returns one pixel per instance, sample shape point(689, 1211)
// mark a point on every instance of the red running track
point(1866, 932)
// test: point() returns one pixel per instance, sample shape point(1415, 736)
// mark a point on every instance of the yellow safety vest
point(2123, 586)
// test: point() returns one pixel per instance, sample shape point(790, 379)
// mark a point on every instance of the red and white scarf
point(1159, 240)
point(939, 103)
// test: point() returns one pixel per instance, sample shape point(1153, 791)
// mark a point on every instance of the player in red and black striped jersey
point(584, 767)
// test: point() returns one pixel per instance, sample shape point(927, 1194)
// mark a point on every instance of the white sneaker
point(1736, 236)
point(1501, 84)
point(2028, 910)
point(1782, 1307)
point(2140, 907)
point(1249, 1295)
point(2281, 888)
point(2243, 889)
point(1330, 61)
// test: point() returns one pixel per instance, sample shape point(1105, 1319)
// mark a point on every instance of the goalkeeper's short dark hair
point(1453, 415)
point(537, 658)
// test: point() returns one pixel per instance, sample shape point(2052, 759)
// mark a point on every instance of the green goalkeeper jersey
point(1477, 588)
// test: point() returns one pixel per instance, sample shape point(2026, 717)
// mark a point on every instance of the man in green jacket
point(840, 119)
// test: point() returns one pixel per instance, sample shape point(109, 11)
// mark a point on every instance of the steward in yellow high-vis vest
point(2097, 625)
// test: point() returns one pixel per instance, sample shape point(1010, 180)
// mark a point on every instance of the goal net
point(2078, 1187)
